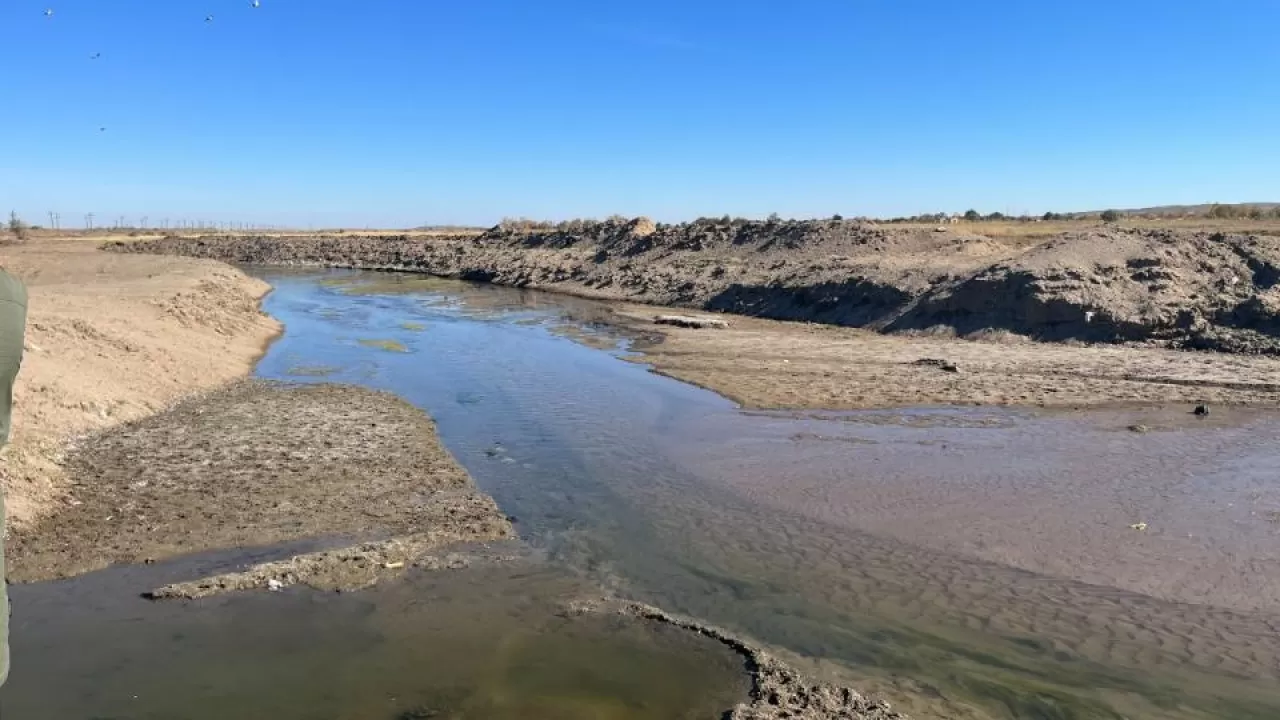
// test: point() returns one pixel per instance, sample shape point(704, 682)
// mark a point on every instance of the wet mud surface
point(256, 464)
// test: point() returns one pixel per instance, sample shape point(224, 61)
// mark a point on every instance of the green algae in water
point(387, 345)
point(312, 370)
point(413, 326)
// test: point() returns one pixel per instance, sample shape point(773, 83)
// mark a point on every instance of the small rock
point(1201, 410)
point(687, 321)
point(943, 365)
point(1139, 428)
point(1139, 526)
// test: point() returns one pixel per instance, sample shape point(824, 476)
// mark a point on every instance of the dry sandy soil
point(112, 338)
point(786, 365)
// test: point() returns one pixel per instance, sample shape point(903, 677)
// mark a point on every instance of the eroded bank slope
point(1178, 289)
point(112, 338)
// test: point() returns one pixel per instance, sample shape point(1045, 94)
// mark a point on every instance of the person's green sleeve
point(13, 320)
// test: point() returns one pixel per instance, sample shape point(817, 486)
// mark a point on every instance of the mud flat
point(778, 691)
point(256, 464)
point(112, 338)
point(786, 365)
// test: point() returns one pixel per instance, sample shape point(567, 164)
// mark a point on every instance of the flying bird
point(95, 56)
point(48, 12)
point(256, 3)
point(208, 18)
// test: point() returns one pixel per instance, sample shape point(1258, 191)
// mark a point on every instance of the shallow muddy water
point(964, 563)
point(473, 643)
point(897, 545)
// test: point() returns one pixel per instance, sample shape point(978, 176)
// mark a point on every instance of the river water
point(668, 493)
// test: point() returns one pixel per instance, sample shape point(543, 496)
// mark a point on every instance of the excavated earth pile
point(1177, 289)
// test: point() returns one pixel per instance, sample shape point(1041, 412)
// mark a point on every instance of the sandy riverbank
point(1130, 294)
point(786, 365)
point(112, 338)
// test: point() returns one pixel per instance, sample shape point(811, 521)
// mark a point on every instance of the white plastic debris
point(274, 585)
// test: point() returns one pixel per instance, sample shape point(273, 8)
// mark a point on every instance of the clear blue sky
point(402, 112)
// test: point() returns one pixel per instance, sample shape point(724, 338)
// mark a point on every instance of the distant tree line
point(1217, 211)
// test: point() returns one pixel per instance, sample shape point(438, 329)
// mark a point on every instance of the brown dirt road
point(112, 338)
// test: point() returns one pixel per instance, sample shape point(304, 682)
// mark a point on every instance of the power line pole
point(143, 224)
point(88, 221)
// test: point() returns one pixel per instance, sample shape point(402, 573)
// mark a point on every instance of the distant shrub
point(1256, 213)
point(17, 226)
point(1110, 216)
point(972, 216)
point(1219, 211)
point(837, 218)
point(995, 216)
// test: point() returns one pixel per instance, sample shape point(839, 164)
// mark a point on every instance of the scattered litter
point(393, 565)
point(1088, 315)
point(274, 585)
point(1139, 428)
point(1139, 526)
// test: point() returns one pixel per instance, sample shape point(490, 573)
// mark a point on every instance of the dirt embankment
point(1180, 289)
point(112, 338)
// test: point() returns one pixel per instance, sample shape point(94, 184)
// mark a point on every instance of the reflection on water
point(663, 491)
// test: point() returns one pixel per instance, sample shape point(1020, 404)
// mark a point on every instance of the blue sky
point(403, 112)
